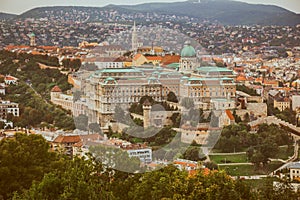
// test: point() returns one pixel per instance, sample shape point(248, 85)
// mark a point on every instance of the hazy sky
point(19, 6)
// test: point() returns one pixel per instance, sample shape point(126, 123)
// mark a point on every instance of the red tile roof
point(137, 56)
point(154, 58)
point(78, 144)
point(10, 78)
point(241, 78)
point(56, 89)
point(168, 59)
point(185, 163)
point(49, 47)
point(67, 139)
point(10, 47)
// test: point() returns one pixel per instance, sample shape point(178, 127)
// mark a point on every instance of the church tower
point(55, 93)
point(32, 39)
point(134, 41)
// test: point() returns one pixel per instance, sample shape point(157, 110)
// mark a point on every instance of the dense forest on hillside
point(32, 92)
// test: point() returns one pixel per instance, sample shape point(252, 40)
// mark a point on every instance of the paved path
point(37, 93)
point(226, 154)
point(232, 164)
point(279, 160)
point(293, 158)
point(295, 133)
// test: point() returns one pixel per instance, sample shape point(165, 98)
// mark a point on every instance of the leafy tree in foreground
point(79, 180)
point(22, 160)
point(170, 183)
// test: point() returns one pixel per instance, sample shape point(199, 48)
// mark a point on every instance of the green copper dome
point(188, 50)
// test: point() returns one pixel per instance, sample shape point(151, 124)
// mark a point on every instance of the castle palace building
point(107, 88)
point(111, 87)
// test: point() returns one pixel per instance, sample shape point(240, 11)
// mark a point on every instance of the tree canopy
point(29, 171)
point(22, 160)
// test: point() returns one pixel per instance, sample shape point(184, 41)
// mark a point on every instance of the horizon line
point(112, 4)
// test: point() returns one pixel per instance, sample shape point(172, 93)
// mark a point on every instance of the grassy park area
point(249, 170)
point(284, 153)
point(239, 170)
point(234, 158)
point(257, 184)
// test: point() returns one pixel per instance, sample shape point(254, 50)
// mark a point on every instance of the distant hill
point(6, 16)
point(92, 12)
point(225, 11)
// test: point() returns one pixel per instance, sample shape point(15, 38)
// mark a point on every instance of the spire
point(152, 52)
point(134, 41)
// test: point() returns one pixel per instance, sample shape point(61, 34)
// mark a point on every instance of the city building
point(294, 169)
point(295, 102)
point(67, 102)
point(282, 103)
point(7, 107)
point(10, 80)
point(2, 88)
point(144, 154)
point(64, 143)
point(190, 134)
point(279, 100)
point(107, 51)
point(81, 148)
point(206, 90)
point(187, 165)
point(215, 72)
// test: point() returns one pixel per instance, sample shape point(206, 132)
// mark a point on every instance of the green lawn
point(284, 153)
point(214, 150)
point(257, 184)
point(248, 170)
point(219, 159)
point(239, 170)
